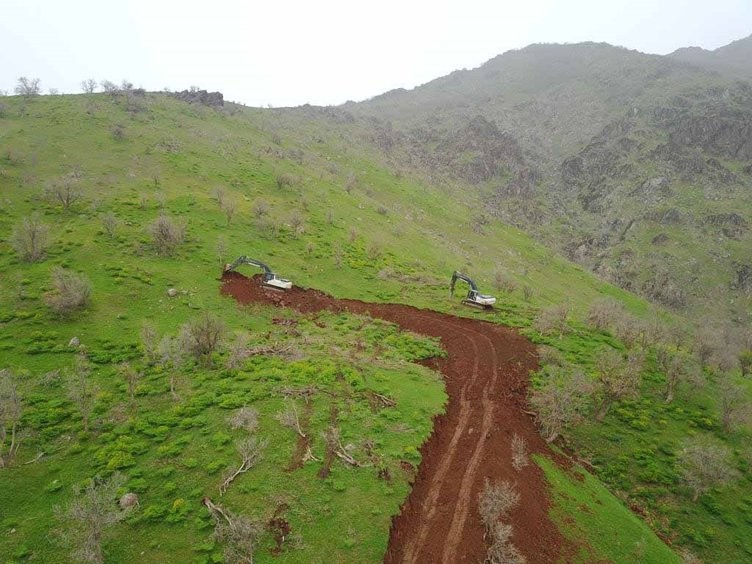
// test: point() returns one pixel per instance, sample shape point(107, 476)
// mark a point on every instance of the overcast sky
point(294, 52)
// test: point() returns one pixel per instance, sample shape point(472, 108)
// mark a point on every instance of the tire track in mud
point(486, 375)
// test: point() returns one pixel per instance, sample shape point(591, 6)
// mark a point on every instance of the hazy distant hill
point(638, 166)
point(731, 60)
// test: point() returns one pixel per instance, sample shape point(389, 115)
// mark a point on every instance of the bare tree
point(618, 378)
point(89, 86)
point(150, 343)
point(245, 418)
point(167, 235)
point(239, 534)
point(289, 418)
point(31, 238)
point(202, 336)
point(28, 87)
point(552, 320)
point(171, 353)
point(496, 501)
point(80, 388)
point(604, 313)
point(745, 362)
point(110, 88)
point(705, 464)
point(65, 192)
point(519, 453)
point(11, 410)
point(286, 180)
point(674, 368)
point(131, 377)
point(110, 224)
point(89, 517)
point(297, 223)
point(504, 282)
point(560, 401)
point(219, 195)
point(494, 504)
point(736, 409)
point(71, 291)
point(229, 207)
point(251, 450)
point(221, 248)
point(260, 209)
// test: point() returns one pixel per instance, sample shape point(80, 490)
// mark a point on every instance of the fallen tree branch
point(37, 457)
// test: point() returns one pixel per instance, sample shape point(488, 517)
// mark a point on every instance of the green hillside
point(307, 191)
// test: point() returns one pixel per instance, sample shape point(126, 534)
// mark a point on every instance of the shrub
point(604, 313)
point(71, 291)
point(167, 235)
point(704, 464)
point(202, 336)
point(31, 238)
point(504, 283)
point(552, 320)
point(286, 180)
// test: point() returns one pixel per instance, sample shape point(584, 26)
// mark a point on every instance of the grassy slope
point(178, 154)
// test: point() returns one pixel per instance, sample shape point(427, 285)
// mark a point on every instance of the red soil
point(486, 375)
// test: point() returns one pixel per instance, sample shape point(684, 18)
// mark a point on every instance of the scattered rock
point(172, 292)
point(660, 239)
point(214, 99)
point(129, 500)
point(75, 342)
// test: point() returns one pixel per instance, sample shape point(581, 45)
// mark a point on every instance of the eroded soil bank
point(486, 373)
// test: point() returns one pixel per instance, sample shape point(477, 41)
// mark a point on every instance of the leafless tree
point(89, 86)
point(219, 195)
point(707, 342)
point(31, 238)
point(260, 209)
point(167, 234)
point(171, 354)
point(237, 533)
point(71, 291)
point(705, 464)
point(673, 366)
point(251, 450)
point(502, 551)
point(65, 192)
point(503, 282)
point(131, 377)
point(150, 343)
point(245, 418)
point(202, 336)
point(297, 223)
point(496, 501)
point(289, 418)
point(736, 409)
point(337, 255)
point(351, 182)
point(80, 388)
point(519, 452)
point(221, 249)
point(87, 520)
point(229, 207)
point(11, 410)
point(28, 87)
point(604, 313)
point(286, 180)
point(618, 378)
point(110, 224)
point(745, 362)
point(560, 401)
point(552, 320)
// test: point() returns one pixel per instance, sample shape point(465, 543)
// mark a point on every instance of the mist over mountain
point(637, 166)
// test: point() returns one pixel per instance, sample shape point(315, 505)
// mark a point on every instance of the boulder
point(129, 500)
point(172, 292)
point(75, 342)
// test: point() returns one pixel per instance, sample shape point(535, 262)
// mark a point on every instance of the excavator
point(474, 297)
point(270, 279)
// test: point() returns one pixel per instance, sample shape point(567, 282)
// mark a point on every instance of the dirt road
point(486, 375)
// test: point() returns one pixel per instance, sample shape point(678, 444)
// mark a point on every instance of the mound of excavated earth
point(486, 375)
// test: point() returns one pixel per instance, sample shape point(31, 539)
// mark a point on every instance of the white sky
point(326, 51)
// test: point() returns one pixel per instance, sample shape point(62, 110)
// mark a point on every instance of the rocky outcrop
point(732, 225)
point(213, 99)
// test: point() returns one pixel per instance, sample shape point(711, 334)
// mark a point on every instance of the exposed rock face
point(743, 277)
point(214, 99)
point(732, 225)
